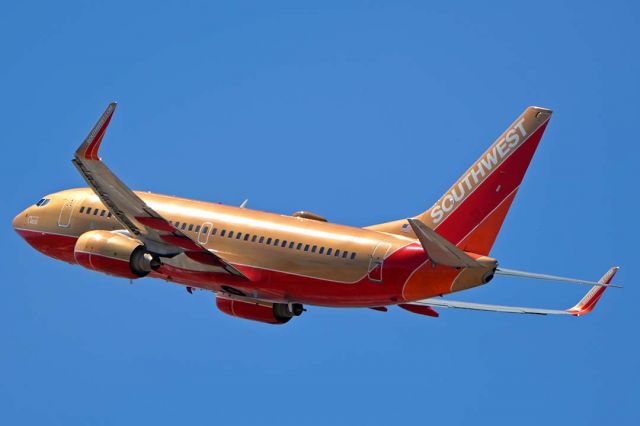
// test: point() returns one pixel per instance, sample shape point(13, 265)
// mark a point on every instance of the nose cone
point(20, 221)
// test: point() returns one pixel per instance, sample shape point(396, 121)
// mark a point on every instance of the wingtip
point(88, 150)
point(608, 277)
point(589, 301)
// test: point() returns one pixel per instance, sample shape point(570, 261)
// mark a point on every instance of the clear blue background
point(361, 111)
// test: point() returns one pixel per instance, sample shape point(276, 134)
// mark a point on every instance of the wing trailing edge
point(583, 307)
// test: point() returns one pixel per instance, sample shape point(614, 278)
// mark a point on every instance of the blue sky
point(361, 111)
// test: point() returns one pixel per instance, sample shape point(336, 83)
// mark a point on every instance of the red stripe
point(156, 223)
point(180, 241)
point(91, 152)
point(204, 257)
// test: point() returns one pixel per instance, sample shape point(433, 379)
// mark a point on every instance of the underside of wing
point(583, 307)
point(138, 218)
point(443, 303)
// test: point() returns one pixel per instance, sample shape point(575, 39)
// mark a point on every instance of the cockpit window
point(43, 202)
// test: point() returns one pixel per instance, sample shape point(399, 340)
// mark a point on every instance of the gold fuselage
point(287, 258)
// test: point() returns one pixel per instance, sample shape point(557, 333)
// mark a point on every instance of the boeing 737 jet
point(266, 267)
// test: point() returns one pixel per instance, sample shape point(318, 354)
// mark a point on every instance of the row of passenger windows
point(95, 211)
point(275, 242)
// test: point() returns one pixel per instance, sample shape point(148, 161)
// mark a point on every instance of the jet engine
point(114, 254)
point(270, 313)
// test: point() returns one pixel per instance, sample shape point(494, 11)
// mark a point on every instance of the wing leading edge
point(131, 211)
point(583, 307)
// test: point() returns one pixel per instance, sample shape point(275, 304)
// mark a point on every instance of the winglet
point(588, 302)
point(439, 250)
point(89, 148)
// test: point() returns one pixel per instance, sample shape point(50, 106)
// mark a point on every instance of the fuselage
point(288, 259)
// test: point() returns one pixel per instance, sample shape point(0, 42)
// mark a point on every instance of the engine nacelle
point(114, 254)
point(270, 313)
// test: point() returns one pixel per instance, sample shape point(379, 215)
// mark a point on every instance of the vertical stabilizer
point(471, 212)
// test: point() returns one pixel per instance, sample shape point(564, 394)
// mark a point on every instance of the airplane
point(266, 267)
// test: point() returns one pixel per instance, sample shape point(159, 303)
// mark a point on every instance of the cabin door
point(64, 220)
point(376, 263)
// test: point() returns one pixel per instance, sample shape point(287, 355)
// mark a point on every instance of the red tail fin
point(471, 212)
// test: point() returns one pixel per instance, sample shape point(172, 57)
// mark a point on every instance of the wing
point(158, 234)
point(583, 307)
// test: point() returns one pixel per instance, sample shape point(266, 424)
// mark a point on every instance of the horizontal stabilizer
point(545, 277)
point(439, 250)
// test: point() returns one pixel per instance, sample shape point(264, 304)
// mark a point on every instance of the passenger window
point(102, 213)
point(205, 230)
point(246, 237)
point(88, 210)
point(230, 234)
point(269, 241)
point(109, 214)
point(306, 247)
point(337, 253)
point(224, 231)
point(95, 212)
point(344, 254)
point(329, 250)
point(261, 240)
point(291, 244)
point(276, 242)
point(299, 246)
point(284, 243)
point(177, 224)
point(353, 255)
point(213, 231)
point(238, 235)
point(321, 250)
point(197, 228)
point(184, 226)
point(81, 209)
point(254, 238)
point(191, 227)
point(313, 249)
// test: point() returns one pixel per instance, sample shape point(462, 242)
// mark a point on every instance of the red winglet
point(89, 148)
point(589, 301)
